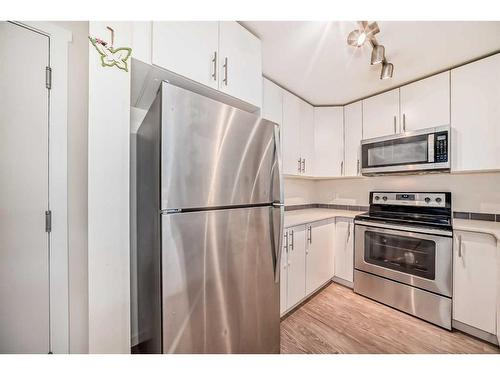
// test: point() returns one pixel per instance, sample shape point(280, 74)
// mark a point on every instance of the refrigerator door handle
point(277, 149)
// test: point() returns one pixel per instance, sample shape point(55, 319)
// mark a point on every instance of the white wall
point(299, 191)
point(108, 197)
point(77, 127)
point(479, 192)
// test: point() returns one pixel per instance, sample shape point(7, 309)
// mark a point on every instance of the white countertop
point(490, 227)
point(309, 215)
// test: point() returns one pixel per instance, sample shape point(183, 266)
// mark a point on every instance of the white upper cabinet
point(475, 115)
point(188, 48)
point(240, 63)
point(221, 55)
point(319, 254)
point(475, 280)
point(381, 115)
point(306, 132)
point(272, 102)
point(353, 130)
point(426, 103)
point(290, 134)
point(329, 141)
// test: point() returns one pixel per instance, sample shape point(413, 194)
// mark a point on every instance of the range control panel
point(441, 147)
point(410, 199)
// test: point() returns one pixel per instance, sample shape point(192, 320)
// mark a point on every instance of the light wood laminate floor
point(337, 320)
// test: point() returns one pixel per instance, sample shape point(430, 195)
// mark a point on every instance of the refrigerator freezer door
point(219, 294)
point(213, 155)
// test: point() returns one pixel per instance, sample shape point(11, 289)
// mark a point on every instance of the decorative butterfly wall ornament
point(111, 56)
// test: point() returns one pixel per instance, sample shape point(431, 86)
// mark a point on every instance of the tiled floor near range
point(338, 321)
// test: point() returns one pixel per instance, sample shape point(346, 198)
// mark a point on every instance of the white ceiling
point(313, 60)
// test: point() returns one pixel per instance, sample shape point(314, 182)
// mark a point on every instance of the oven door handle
point(429, 231)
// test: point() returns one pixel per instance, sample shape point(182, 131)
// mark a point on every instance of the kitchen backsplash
point(472, 193)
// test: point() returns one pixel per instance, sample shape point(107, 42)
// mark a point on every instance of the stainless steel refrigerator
point(209, 227)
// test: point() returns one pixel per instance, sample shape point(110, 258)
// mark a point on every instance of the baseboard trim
point(338, 280)
point(476, 332)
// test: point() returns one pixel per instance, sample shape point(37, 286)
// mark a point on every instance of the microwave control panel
point(441, 147)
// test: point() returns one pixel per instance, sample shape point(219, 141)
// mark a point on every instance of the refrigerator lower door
point(214, 155)
point(218, 288)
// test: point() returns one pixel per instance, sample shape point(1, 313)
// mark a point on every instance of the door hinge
point(48, 221)
point(48, 77)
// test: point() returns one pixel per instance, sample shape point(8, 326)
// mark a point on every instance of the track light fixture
point(366, 32)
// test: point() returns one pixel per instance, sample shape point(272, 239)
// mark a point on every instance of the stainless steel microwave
point(419, 151)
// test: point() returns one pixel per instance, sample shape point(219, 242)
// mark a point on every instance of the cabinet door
point(343, 249)
point(319, 254)
point(188, 49)
point(475, 115)
point(240, 63)
point(474, 280)
point(381, 115)
point(353, 130)
point(290, 134)
point(272, 102)
point(284, 274)
point(329, 141)
point(426, 103)
point(306, 131)
point(296, 283)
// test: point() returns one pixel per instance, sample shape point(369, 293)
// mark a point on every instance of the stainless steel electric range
point(403, 253)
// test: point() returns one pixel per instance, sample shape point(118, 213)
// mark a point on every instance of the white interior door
point(24, 244)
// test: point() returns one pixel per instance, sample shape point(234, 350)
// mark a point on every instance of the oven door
point(422, 260)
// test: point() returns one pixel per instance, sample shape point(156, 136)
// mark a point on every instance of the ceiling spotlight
point(378, 54)
point(356, 38)
point(387, 70)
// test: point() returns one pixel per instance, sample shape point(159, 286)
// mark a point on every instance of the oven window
point(414, 256)
point(410, 150)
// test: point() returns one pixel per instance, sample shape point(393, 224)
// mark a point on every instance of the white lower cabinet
point(319, 254)
point(296, 272)
point(307, 261)
point(344, 249)
point(284, 274)
point(475, 280)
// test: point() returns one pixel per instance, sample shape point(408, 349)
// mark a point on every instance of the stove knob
point(384, 198)
point(377, 197)
point(427, 199)
point(438, 200)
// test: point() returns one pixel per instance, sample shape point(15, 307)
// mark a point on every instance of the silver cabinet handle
point(225, 71)
point(309, 237)
point(286, 242)
point(348, 231)
point(341, 168)
point(214, 62)
point(303, 165)
point(404, 123)
point(357, 167)
point(395, 131)
point(291, 241)
point(300, 165)
point(459, 246)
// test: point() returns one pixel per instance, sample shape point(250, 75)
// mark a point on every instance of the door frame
point(58, 178)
